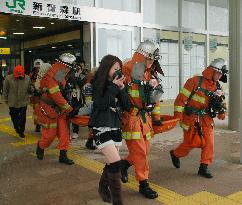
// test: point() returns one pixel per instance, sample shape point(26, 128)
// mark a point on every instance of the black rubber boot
point(146, 191)
point(103, 189)
point(175, 160)
point(21, 135)
point(64, 159)
point(89, 144)
point(124, 170)
point(40, 152)
point(114, 176)
point(37, 128)
point(204, 171)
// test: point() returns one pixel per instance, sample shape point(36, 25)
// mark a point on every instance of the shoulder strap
point(199, 87)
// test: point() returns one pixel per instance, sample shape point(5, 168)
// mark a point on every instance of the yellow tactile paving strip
point(29, 139)
point(236, 197)
point(166, 196)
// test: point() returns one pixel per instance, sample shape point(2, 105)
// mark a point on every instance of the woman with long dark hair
point(109, 100)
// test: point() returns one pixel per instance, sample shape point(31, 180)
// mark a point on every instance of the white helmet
point(43, 69)
point(68, 59)
point(149, 49)
point(218, 64)
point(38, 63)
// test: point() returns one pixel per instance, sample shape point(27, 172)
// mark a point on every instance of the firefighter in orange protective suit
point(199, 101)
point(53, 110)
point(141, 71)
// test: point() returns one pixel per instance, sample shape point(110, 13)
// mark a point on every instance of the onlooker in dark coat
point(1, 81)
point(16, 90)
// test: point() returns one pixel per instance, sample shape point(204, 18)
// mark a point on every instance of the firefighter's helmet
point(149, 49)
point(218, 64)
point(38, 63)
point(68, 59)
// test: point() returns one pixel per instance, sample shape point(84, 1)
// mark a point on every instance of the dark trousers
point(18, 116)
point(75, 128)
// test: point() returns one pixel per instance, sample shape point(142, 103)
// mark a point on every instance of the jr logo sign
point(17, 6)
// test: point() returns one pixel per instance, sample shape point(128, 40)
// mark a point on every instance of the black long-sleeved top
point(107, 109)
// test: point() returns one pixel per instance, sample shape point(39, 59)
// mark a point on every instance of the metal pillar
point(240, 69)
point(180, 42)
point(235, 63)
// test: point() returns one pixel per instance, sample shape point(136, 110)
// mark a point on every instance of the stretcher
point(168, 122)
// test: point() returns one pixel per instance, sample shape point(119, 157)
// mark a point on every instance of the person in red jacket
point(199, 101)
point(53, 110)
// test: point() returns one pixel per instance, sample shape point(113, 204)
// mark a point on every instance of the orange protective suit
point(137, 127)
point(53, 108)
point(199, 101)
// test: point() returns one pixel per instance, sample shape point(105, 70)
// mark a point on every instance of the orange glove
point(69, 110)
point(221, 116)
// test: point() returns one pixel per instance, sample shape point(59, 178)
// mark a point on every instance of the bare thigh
point(111, 153)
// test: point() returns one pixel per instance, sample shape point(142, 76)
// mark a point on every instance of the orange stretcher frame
point(168, 123)
point(81, 120)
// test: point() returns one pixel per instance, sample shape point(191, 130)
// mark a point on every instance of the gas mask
point(225, 73)
point(216, 105)
point(153, 95)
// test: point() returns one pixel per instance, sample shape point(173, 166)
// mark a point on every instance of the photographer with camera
point(77, 79)
point(199, 101)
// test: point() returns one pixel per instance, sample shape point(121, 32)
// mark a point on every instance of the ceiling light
point(39, 27)
point(30, 51)
point(52, 23)
point(18, 33)
point(17, 20)
point(69, 45)
point(3, 37)
point(53, 47)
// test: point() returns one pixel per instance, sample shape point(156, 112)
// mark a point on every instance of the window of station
point(80, 2)
point(116, 42)
point(164, 12)
point(193, 55)
point(218, 15)
point(169, 63)
point(137, 38)
point(193, 14)
point(219, 48)
point(123, 5)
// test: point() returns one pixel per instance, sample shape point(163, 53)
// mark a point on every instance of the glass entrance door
point(114, 40)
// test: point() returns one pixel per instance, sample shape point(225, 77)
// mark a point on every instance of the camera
point(117, 73)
